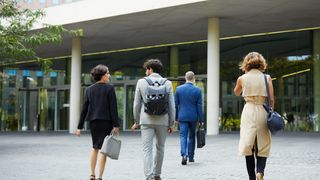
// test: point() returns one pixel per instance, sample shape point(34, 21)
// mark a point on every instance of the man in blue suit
point(188, 102)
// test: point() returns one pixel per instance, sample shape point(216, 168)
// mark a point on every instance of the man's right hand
point(78, 132)
point(134, 127)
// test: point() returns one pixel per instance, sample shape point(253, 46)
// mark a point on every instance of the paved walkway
point(59, 156)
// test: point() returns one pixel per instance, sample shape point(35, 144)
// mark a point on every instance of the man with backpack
point(154, 111)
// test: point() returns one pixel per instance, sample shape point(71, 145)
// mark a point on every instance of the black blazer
point(100, 102)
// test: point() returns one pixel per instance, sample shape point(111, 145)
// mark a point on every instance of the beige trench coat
point(254, 133)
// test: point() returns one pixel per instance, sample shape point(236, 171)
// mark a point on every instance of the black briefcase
point(201, 136)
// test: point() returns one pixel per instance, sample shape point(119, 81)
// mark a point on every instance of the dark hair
point(154, 64)
point(99, 71)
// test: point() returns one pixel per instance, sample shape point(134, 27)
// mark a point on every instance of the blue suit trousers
point(187, 138)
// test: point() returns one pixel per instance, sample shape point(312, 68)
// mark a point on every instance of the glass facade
point(32, 100)
point(290, 64)
point(29, 97)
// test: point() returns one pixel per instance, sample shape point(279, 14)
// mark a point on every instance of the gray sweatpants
point(152, 167)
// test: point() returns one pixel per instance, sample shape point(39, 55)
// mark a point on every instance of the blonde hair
point(253, 60)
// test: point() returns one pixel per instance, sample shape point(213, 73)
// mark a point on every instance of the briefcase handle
point(115, 135)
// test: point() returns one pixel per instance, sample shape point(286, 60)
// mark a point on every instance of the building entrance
point(28, 109)
point(125, 96)
point(36, 108)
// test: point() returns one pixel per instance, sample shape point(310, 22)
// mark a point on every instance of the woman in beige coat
point(255, 138)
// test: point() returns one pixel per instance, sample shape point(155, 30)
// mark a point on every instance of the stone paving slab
point(59, 156)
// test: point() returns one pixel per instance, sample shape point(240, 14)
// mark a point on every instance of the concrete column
point(174, 61)
point(316, 76)
point(75, 87)
point(1, 105)
point(213, 77)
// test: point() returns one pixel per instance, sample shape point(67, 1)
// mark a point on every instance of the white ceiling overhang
point(119, 25)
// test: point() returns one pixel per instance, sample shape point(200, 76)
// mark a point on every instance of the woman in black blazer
point(100, 109)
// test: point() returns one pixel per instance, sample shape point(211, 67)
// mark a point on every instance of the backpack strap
point(149, 81)
point(162, 81)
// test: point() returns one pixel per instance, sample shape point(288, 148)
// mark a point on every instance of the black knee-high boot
point(251, 167)
point(261, 164)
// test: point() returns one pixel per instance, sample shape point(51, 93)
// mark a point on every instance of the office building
point(208, 37)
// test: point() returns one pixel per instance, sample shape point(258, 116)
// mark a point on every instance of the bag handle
point(114, 134)
point(268, 92)
point(201, 125)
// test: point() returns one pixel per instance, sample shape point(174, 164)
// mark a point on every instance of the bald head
point(190, 76)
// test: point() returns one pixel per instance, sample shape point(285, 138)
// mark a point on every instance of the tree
point(18, 41)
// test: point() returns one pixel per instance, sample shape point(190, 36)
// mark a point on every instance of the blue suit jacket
point(188, 102)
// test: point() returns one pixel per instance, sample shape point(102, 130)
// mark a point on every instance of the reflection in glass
point(28, 108)
point(120, 98)
point(130, 89)
point(63, 110)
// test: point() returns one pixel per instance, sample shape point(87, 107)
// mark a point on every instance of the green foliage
point(231, 124)
point(18, 41)
point(304, 126)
